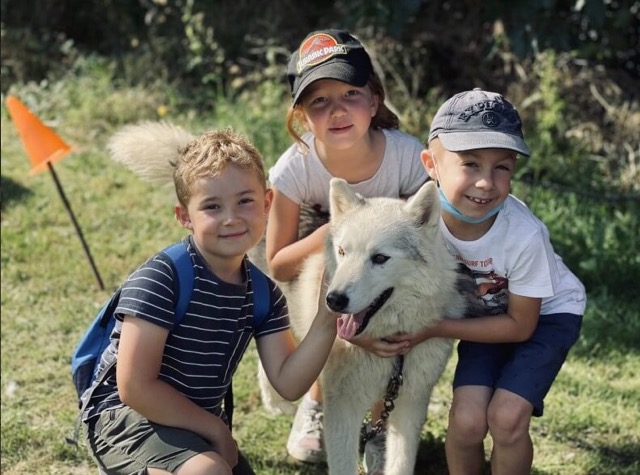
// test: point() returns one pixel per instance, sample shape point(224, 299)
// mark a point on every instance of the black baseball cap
point(478, 119)
point(328, 54)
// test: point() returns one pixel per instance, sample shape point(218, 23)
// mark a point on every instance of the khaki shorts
point(122, 441)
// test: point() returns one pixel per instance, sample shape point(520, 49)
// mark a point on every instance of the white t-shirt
point(302, 177)
point(516, 255)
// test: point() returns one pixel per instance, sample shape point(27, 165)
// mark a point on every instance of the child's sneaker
point(374, 454)
point(305, 439)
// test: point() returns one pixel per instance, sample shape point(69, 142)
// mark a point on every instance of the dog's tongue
point(348, 324)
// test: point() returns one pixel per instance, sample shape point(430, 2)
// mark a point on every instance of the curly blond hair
point(209, 154)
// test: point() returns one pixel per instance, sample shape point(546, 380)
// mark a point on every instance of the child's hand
point(413, 339)
point(393, 345)
point(383, 347)
point(229, 450)
point(224, 443)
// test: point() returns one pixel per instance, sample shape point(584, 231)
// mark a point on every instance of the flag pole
point(67, 206)
point(44, 147)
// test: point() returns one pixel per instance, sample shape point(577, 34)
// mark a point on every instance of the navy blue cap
point(478, 119)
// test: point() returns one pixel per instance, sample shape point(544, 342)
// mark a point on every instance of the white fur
point(149, 149)
point(423, 275)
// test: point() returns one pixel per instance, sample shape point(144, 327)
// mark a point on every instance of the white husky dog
point(387, 270)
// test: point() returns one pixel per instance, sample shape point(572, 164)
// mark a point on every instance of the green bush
point(597, 239)
point(89, 95)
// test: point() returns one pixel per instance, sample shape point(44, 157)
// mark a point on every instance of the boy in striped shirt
point(161, 412)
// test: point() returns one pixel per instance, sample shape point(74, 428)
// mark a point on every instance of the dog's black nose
point(337, 301)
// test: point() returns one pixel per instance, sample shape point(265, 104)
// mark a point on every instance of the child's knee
point(507, 423)
point(468, 422)
point(208, 463)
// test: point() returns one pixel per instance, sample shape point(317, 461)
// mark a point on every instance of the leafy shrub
point(87, 101)
point(597, 239)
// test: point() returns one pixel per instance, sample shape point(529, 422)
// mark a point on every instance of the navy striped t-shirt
point(202, 353)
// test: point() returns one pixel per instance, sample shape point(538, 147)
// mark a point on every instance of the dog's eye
point(340, 251)
point(379, 258)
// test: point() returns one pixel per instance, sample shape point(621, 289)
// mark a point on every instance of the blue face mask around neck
point(455, 212)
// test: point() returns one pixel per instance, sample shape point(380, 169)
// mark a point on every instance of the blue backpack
point(86, 357)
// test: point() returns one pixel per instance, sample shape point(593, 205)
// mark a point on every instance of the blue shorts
point(528, 368)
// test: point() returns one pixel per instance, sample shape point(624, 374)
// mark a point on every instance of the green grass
point(49, 295)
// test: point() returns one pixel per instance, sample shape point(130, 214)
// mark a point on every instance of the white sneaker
point(374, 454)
point(305, 439)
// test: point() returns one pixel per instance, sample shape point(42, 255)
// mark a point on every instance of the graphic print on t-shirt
point(491, 290)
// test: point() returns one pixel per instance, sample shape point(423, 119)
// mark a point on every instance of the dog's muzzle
point(338, 301)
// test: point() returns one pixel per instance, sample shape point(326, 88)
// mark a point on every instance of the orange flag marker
point(44, 148)
point(43, 145)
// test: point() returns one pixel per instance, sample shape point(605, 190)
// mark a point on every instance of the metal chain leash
point(393, 388)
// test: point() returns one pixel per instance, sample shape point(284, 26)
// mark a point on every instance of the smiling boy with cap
point(509, 357)
point(510, 354)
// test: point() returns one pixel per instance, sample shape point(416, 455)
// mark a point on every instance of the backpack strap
point(181, 261)
point(179, 256)
point(261, 307)
point(261, 295)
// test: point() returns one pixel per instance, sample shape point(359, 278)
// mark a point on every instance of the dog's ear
point(424, 206)
point(342, 198)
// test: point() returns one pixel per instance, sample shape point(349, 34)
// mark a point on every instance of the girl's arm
point(516, 325)
point(285, 252)
point(139, 359)
point(291, 370)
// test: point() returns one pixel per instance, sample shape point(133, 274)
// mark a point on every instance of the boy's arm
point(516, 325)
point(291, 370)
point(139, 359)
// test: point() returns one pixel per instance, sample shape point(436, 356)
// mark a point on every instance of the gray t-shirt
point(302, 177)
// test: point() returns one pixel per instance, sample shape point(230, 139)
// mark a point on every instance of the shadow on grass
point(288, 466)
point(622, 459)
point(431, 460)
point(10, 191)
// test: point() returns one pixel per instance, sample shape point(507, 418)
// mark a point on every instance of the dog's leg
point(341, 436)
point(343, 415)
point(403, 434)
point(273, 403)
